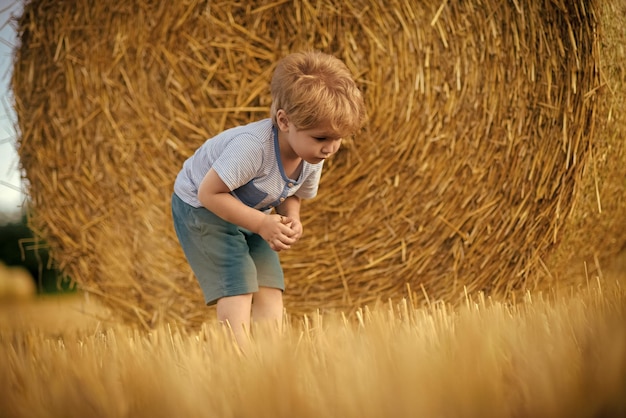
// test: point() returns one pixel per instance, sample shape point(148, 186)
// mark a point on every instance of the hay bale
point(481, 119)
point(594, 235)
point(16, 283)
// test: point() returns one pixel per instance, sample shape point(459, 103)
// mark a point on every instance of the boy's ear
point(282, 120)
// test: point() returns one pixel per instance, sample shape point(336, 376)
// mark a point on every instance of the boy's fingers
point(279, 246)
point(283, 241)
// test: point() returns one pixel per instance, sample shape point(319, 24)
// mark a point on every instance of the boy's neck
point(287, 154)
point(292, 163)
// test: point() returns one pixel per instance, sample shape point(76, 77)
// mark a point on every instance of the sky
point(11, 197)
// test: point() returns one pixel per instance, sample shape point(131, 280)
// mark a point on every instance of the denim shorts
point(226, 259)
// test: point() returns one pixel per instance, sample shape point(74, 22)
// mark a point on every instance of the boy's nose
point(332, 148)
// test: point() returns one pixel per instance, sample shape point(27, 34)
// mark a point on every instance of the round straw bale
point(16, 283)
point(594, 233)
point(482, 115)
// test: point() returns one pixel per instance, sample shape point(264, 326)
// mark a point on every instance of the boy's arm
point(290, 208)
point(215, 195)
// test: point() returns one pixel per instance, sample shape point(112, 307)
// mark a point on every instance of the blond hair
point(316, 89)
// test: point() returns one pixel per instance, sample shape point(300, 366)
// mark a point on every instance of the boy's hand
point(277, 231)
point(295, 226)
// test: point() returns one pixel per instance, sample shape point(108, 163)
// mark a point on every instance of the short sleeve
point(240, 161)
point(310, 185)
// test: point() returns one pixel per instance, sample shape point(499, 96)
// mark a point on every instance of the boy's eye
point(319, 138)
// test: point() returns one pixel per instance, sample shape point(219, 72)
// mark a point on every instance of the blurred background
point(22, 257)
point(11, 197)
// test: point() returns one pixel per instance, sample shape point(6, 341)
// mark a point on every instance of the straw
point(486, 118)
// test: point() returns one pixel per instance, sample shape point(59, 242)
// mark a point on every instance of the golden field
point(557, 355)
point(494, 157)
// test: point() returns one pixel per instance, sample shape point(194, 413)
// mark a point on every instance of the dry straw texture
point(482, 115)
point(597, 227)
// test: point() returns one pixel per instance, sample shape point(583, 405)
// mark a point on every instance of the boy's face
point(312, 145)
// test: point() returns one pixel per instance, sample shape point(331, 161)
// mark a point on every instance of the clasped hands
point(280, 231)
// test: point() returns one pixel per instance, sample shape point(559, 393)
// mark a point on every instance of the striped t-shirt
point(247, 159)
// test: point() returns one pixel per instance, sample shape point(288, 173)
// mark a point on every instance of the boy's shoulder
point(261, 129)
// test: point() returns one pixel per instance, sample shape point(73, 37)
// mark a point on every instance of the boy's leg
point(236, 310)
point(268, 306)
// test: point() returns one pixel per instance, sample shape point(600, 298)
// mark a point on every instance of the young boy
point(236, 201)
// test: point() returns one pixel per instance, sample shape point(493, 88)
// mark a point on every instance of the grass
point(545, 356)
